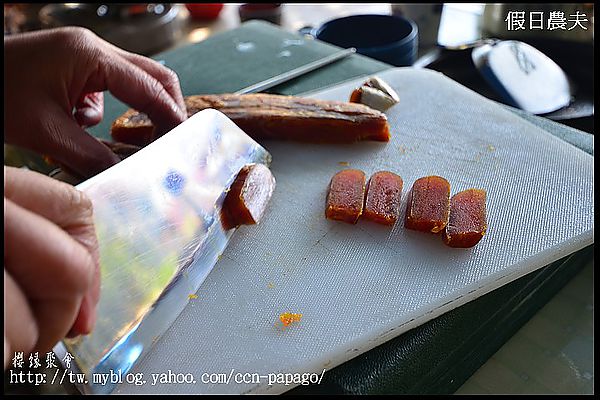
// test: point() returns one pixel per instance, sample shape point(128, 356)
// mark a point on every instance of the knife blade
point(296, 72)
point(157, 218)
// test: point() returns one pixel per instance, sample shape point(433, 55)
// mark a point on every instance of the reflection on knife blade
point(157, 218)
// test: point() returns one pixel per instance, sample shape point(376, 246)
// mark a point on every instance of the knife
point(157, 218)
point(296, 72)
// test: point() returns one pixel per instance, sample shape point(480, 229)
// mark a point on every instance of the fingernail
point(89, 116)
point(90, 113)
point(181, 113)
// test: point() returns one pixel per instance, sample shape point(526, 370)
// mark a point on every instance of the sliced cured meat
point(382, 202)
point(346, 196)
point(248, 196)
point(133, 128)
point(428, 205)
point(467, 223)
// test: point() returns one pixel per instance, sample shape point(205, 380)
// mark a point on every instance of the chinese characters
point(517, 20)
point(18, 361)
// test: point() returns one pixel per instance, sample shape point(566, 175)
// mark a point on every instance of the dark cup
point(388, 38)
point(270, 12)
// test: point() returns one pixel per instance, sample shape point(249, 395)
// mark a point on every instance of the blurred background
point(552, 353)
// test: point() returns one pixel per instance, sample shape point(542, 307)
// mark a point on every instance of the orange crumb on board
point(192, 296)
point(288, 317)
point(344, 163)
point(270, 285)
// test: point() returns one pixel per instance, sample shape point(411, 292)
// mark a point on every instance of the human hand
point(51, 262)
point(53, 81)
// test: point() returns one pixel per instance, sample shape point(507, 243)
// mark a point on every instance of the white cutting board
point(358, 286)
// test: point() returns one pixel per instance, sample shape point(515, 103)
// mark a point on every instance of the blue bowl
point(388, 38)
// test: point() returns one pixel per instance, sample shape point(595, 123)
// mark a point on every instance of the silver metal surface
point(157, 217)
point(144, 30)
point(471, 45)
point(289, 75)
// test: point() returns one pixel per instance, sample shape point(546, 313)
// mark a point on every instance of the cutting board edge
point(441, 306)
